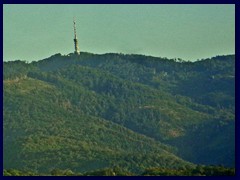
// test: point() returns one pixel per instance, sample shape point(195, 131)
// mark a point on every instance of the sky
point(189, 32)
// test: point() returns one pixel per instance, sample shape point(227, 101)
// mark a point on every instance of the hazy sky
point(190, 32)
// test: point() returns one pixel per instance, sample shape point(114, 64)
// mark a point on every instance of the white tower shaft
point(77, 51)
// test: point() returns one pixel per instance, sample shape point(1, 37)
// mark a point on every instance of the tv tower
point(77, 51)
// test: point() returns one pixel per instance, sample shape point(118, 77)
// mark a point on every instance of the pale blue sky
point(190, 32)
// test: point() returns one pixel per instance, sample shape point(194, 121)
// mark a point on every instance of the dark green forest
point(123, 114)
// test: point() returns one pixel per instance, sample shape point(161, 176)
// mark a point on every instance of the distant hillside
point(95, 111)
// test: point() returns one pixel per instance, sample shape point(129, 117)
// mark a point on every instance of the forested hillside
point(134, 112)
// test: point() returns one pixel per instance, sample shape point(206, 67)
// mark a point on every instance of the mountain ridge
point(149, 96)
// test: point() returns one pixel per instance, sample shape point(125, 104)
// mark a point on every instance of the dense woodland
point(144, 115)
point(117, 171)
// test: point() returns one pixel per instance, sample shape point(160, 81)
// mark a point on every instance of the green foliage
point(14, 172)
point(59, 172)
point(134, 112)
point(199, 170)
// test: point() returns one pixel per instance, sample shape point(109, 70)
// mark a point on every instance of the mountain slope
point(42, 133)
point(115, 104)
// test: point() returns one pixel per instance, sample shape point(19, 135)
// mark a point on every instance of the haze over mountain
point(113, 110)
point(187, 31)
